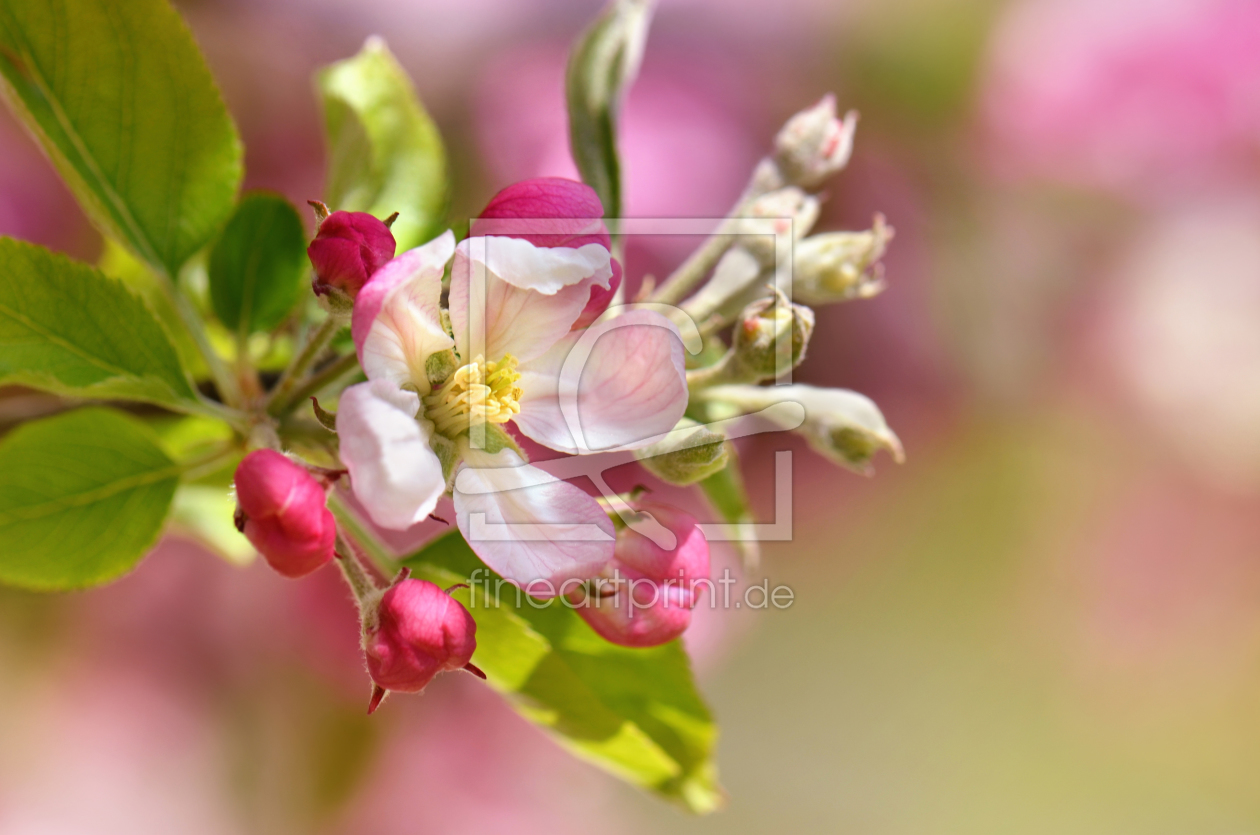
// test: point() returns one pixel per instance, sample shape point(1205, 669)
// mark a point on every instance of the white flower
point(511, 307)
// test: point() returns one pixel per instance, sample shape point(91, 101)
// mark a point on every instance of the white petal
point(393, 470)
point(397, 318)
point(620, 384)
point(538, 268)
point(493, 317)
point(537, 536)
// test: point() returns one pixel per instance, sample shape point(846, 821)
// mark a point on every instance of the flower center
point(481, 391)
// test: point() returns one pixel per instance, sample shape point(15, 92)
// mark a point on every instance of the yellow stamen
point(484, 392)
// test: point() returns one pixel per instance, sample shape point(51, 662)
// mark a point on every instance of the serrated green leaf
point(633, 712)
point(122, 102)
point(118, 262)
point(82, 499)
point(602, 66)
point(67, 328)
point(385, 155)
point(258, 267)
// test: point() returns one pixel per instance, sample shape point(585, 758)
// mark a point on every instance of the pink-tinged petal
point(650, 590)
point(397, 320)
point(546, 211)
point(393, 470)
point(493, 317)
point(537, 536)
point(600, 298)
point(617, 385)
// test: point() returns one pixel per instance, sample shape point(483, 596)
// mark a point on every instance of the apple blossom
point(281, 510)
point(512, 305)
point(646, 593)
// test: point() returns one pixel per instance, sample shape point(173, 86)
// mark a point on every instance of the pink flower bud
point(650, 591)
point(563, 213)
point(348, 248)
point(420, 631)
point(281, 510)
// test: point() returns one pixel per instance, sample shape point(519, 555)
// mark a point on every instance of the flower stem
point(316, 342)
point(207, 464)
point(766, 178)
point(361, 582)
point(324, 377)
point(224, 380)
point(376, 551)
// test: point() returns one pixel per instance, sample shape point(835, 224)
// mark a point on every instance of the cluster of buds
point(769, 333)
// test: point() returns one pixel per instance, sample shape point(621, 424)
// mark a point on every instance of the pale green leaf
point(602, 66)
point(67, 328)
point(258, 268)
point(385, 155)
point(633, 712)
point(82, 499)
point(122, 102)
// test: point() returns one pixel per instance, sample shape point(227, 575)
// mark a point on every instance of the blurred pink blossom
point(1143, 96)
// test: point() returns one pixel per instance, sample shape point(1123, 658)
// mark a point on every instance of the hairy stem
point(324, 377)
point(316, 342)
point(378, 552)
point(765, 178)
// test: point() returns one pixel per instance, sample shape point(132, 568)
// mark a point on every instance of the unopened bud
point(838, 266)
point(417, 631)
point(792, 212)
point(842, 425)
point(814, 144)
point(689, 453)
point(771, 336)
point(281, 510)
point(348, 248)
point(646, 594)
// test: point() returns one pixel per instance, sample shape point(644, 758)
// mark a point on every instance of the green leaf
point(602, 66)
point(118, 262)
point(122, 102)
point(258, 267)
point(82, 499)
point(67, 328)
point(633, 712)
point(385, 155)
